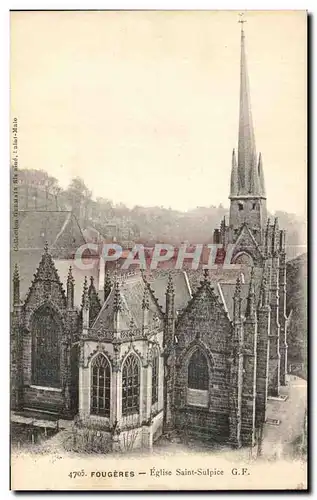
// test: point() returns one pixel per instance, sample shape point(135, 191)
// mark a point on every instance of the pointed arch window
point(100, 386)
point(155, 376)
point(198, 377)
point(131, 385)
point(46, 336)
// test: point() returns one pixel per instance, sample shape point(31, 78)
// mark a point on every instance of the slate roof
point(131, 292)
point(181, 286)
point(223, 282)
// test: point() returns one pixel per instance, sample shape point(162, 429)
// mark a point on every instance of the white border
point(5, 6)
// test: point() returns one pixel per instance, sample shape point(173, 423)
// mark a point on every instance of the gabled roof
point(212, 296)
point(131, 293)
point(46, 272)
point(223, 283)
point(218, 274)
point(60, 229)
point(28, 261)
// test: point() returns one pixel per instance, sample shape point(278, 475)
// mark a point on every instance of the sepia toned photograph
point(158, 261)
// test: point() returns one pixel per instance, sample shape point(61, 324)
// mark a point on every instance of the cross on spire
point(242, 20)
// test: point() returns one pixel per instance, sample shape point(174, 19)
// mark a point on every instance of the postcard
point(158, 250)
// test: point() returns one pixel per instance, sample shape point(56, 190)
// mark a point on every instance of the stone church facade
point(156, 354)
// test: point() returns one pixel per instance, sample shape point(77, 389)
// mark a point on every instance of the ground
point(279, 441)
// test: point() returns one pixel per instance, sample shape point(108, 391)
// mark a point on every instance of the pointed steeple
point(254, 187)
point(234, 185)
point(246, 147)
point(261, 176)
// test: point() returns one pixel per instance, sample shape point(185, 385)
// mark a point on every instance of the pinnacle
point(85, 298)
point(70, 274)
point(145, 300)
point(170, 285)
point(16, 275)
point(117, 298)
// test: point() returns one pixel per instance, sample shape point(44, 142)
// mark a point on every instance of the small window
point(240, 205)
point(253, 206)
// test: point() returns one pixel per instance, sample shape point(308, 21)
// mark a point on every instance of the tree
point(78, 196)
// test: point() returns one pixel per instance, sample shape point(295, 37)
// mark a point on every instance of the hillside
point(147, 225)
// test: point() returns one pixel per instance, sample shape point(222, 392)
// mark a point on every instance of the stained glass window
point(130, 385)
point(198, 371)
point(100, 386)
point(46, 333)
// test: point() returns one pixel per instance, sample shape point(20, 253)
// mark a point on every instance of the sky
point(144, 105)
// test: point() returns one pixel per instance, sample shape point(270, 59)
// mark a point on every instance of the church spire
point(234, 185)
point(247, 164)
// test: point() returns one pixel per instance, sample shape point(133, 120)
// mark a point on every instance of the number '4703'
point(76, 473)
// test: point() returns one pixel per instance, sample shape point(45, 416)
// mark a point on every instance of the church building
point(177, 351)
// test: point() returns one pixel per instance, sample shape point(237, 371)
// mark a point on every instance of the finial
point(70, 289)
point(145, 300)
point(206, 275)
point(170, 285)
point(242, 20)
point(237, 291)
point(46, 247)
point(70, 274)
point(117, 304)
point(85, 298)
